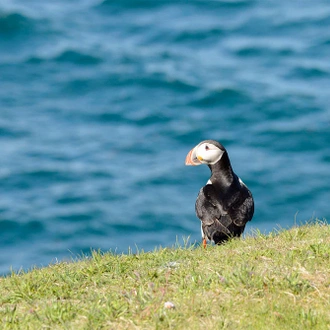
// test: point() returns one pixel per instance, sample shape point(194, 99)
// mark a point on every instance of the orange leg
point(204, 243)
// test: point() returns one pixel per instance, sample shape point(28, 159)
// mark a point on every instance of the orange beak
point(191, 158)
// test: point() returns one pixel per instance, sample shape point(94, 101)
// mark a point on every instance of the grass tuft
point(275, 281)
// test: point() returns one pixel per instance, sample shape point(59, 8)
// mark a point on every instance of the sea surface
point(101, 100)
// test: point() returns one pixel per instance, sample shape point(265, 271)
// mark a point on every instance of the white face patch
point(208, 153)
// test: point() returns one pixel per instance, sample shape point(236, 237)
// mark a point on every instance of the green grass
point(276, 281)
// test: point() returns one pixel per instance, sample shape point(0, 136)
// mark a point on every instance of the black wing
point(211, 212)
point(242, 209)
point(226, 217)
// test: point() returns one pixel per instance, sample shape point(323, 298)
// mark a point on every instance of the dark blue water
point(100, 101)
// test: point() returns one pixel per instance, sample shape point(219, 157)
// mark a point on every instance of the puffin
point(225, 204)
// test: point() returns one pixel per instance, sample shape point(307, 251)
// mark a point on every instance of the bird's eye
point(207, 147)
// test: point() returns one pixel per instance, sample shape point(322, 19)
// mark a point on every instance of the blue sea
point(101, 100)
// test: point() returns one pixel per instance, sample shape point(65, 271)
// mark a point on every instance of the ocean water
point(100, 101)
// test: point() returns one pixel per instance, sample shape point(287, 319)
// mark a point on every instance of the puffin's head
point(207, 152)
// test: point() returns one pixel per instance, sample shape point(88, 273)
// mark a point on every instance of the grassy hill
point(278, 281)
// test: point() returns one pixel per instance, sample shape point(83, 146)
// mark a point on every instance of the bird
point(225, 204)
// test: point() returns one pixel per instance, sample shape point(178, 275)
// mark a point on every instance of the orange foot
point(204, 243)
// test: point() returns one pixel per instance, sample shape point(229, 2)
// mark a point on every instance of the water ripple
point(12, 24)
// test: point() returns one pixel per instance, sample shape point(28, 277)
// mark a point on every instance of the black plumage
point(225, 204)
